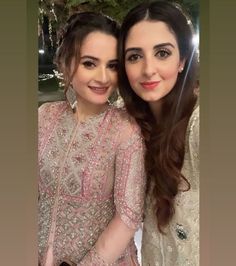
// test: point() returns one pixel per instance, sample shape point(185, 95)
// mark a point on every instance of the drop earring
point(71, 97)
point(113, 97)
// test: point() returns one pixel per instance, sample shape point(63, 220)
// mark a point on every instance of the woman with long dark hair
point(157, 80)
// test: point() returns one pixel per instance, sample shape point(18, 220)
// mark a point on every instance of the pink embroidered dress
point(87, 172)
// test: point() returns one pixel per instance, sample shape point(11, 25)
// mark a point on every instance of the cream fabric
point(180, 246)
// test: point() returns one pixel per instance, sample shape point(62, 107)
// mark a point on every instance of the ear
point(181, 65)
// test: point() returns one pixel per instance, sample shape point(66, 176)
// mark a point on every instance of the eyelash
point(161, 54)
point(113, 66)
point(88, 64)
point(91, 65)
point(133, 58)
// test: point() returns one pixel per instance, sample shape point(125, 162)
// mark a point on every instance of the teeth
point(98, 88)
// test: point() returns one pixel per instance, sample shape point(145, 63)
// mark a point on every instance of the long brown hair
point(165, 138)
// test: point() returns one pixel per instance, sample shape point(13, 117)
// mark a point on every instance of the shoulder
point(48, 111)
point(47, 117)
point(51, 107)
point(191, 162)
point(194, 119)
point(193, 127)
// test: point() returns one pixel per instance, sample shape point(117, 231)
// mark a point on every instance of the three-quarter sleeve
point(130, 180)
point(114, 245)
point(193, 149)
point(194, 132)
point(45, 119)
point(48, 114)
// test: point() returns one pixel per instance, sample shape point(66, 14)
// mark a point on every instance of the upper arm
point(130, 179)
point(194, 133)
point(48, 114)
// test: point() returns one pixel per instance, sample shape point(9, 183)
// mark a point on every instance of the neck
point(156, 109)
point(85, 110)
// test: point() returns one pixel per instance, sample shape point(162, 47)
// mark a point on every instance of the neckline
point(91, 118)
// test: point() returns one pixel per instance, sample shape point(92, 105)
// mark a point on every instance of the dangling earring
point(71, 97)
point(113, 97)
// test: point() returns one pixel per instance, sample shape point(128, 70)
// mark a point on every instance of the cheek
point(81, 77)
point(114, 78)
point(76, 80)
point(170, 72)
point(132, 74)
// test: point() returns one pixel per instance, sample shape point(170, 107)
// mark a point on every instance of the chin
point(100, 101)
point(149, 98)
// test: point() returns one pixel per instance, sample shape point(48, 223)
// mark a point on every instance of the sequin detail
point(128, 258)
point(86, 172)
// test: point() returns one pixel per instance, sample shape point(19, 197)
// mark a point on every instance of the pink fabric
point(87, 171)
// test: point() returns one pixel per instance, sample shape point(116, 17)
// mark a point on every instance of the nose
point(103, 75)
point(149, 67)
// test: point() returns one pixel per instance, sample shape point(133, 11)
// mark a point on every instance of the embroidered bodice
point(87, 171)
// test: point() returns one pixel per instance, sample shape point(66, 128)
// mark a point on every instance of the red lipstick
point(149, 85)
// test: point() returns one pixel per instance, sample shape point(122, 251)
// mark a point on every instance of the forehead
point(96, 43)
point(149, 32)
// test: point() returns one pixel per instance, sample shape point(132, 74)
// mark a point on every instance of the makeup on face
point(96, 75)
point(152, 59)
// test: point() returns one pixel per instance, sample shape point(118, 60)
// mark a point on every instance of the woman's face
point(96, 75)
point(152, 60)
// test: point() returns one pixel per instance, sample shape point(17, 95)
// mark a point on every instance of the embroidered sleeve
point(112, 246)
point(130, 179)
point(194, 133)
point(42, 123)
point(47, 118)
point(129, 193)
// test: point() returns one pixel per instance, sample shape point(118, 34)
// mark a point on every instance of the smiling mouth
point(149, 85)
point(99, 90)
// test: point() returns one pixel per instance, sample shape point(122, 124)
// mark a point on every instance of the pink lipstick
point(99, 90)
point(150, 85)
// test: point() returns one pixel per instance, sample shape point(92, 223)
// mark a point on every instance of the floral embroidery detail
point(80, 167)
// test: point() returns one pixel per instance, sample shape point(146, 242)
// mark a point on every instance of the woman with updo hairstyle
point(91, 163)
point(157, 80)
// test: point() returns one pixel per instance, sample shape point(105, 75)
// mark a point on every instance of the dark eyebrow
point(89, 57)
point(133, 49)
point(163, 45)
point(113, 61)
point(137, 49)
point(97, 59)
